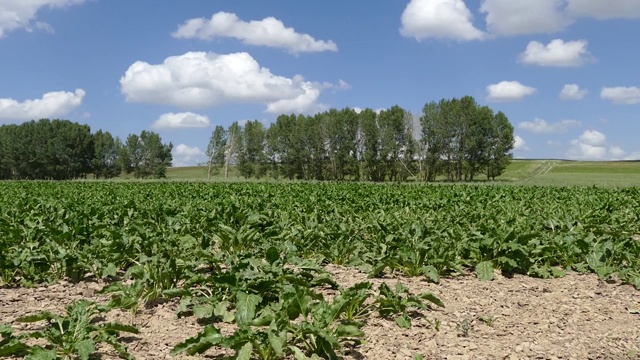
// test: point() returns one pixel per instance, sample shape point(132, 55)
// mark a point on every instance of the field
point(298, 270)
point(519, 172)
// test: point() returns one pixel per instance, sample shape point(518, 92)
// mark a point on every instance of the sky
point(565, 72)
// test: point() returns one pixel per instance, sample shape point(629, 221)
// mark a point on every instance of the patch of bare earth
point(576, 317)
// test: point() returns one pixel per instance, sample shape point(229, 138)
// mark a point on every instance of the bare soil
point(575, 317)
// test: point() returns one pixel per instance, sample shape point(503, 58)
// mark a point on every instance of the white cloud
point(591, 145)
point(520, 144)
point(184, 155)
point(358, 110)
point(603, 10)
point(51, 105)
point(181, 121)
point(593, 138)
point(541, 126)
point(269, 32)
point(518, 17)
point(303, 103)
point(505, 91)
point(439, 19)
point(621, 95)
point(617, 152)
point(633, 156)
point(200, 80)
point(556, 53)
point(572, 92)
point(554, 143)
point(20, 14)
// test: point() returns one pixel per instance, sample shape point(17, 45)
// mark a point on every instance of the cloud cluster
point(452, 19)
point(201, 80)
point(593, 145)
point(506, 91)
point(20, 14)
point(440, 19)
point(182, 120)
point(572, 92)
point(269, 32)
point(51, 105)
point(541, 126)
point(184, 155)
point(556, 53)
point(621, 95)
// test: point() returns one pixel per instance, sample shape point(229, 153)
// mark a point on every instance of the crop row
point(252, 254)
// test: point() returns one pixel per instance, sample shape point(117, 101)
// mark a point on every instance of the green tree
point(501, 143)
point(146, 155)
point(105, 163)
point(215, 150)
point(251, 159)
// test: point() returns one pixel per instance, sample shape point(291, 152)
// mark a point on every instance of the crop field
point(194, 270)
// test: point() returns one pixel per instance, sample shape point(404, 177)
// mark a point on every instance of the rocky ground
point(575, 317)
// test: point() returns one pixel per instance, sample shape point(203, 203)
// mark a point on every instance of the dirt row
point(575, 317)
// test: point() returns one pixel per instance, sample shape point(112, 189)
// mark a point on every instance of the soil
point(575, 317)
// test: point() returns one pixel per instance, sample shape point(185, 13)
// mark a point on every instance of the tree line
point(63, 150)
point(454, 138)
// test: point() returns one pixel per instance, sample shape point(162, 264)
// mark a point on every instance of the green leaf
point(272, 255)
point(245, 352)
point(277, 342)
point(432, 299)
point(42, 354)
point(246, 307)
point(109, 271)
point(202, 311)
point(297, 353)
point(431, 273)
point(202, 342)
point(222, 310)
point(119, 327)
point(558, 273)
point(13, 347)
point(484, 270)
point(403, 321)
point(44, 315)
point(351, 331)
point(84, 348)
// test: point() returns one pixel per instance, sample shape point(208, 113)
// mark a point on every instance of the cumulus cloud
point(505, 91)
point(541, 126)
point(181, 121)
point(510, 17)
point(520, 144)
point(184, 155)
point(51, 105)
point(20, 14)
point(604, 10)
point(269, 32)
point(572, 92)
point(591, 145)
point(557, 53)
point(439, 19)
point(200, 80)
point(621, 95)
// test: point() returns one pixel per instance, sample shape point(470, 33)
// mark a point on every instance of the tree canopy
point(456, 139)
point(62, 150)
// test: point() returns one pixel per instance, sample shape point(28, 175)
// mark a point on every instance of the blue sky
point(564, 71)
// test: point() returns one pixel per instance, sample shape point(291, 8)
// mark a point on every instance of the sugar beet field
point(193, 270)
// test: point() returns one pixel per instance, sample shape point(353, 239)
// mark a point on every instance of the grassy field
point(526, 172)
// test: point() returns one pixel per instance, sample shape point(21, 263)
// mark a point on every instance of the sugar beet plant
point(68, 336)
point(252, 255)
